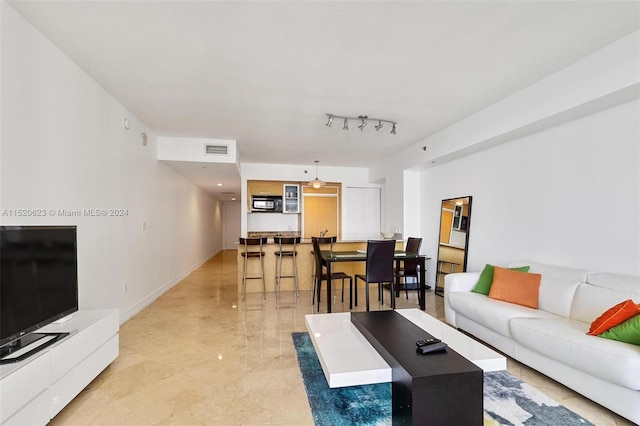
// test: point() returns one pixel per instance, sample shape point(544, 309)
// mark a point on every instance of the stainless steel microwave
point(266, 203)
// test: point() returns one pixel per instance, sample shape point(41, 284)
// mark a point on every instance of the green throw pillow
point(628, 331)
point(486, 278)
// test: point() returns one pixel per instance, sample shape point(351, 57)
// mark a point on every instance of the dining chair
point(379, 268)
point(409, 267)
point(322, 243)
point(253, 250)
point(320, 275)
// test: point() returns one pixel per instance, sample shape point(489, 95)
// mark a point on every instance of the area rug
point(507, 400)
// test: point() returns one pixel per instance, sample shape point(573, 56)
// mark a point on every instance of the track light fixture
point(329, 122)
point(364, 121)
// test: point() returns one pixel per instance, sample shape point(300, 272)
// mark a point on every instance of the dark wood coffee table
point(442, 388)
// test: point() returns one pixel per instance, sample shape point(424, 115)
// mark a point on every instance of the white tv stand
point(34, 390)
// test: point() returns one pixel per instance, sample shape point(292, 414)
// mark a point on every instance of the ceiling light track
point(364, 120)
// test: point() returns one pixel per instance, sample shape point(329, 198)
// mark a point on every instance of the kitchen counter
point(304, 261)
point(271, 234)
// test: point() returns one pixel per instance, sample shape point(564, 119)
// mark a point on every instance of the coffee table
point(348, 359)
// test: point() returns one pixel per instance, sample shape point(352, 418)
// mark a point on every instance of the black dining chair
point(320, 275)
point(379, 268)
point(408, 267)
point(323, 242)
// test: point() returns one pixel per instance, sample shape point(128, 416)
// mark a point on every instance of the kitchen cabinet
point(291, 198)
point(264, 187)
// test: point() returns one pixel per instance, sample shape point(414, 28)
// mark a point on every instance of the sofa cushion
point(515, 287)
point(590, 301)
point(490, 313)
point(619, 282)
point(483, 286)
point(552, 271)
point(614, 316)
point(628, 331)
point(566, 341)
point(556, 295)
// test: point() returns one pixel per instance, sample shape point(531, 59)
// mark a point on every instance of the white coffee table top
point(348, 359)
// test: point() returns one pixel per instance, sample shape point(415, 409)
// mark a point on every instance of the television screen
point(38, 277)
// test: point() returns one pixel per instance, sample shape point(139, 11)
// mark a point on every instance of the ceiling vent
point(216, 149)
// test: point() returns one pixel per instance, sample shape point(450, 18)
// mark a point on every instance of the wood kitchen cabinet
point(264, 187)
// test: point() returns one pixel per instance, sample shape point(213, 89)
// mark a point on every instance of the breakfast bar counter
point(304, 262)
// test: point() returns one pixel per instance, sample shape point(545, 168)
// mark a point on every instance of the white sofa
point(553, 339)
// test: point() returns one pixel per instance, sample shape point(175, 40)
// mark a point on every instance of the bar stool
point(288, 251)
point(251, 253)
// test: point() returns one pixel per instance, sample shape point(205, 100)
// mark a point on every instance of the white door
point(230, 226)
point(362, 214)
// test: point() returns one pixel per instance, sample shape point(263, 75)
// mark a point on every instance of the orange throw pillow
point(614, 316)
point(521, 288)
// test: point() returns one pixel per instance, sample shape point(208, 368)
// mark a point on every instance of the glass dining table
point(332, 256)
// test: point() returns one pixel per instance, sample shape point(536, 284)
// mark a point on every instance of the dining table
point(329, 257)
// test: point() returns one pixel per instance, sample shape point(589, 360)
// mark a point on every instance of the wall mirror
point(455, 219)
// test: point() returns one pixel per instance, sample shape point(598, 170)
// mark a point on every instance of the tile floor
point(200, 356)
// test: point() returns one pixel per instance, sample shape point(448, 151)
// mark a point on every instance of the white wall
point(568, 195)
point(64, 147)
point(597, 83)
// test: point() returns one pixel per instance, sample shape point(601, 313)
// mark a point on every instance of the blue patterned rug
point(507, 400)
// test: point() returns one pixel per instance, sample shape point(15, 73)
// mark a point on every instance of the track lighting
point(364, 121)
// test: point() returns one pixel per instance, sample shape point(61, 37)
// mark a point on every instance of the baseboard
point(128, 313)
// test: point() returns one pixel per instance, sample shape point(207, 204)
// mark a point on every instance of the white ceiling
point(266, 73)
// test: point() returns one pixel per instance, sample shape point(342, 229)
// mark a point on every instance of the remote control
point(435, 347)
point(427, 342)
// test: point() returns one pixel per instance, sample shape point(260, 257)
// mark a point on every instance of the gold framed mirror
point(453, 243)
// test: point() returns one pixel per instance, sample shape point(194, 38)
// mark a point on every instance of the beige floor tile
point(199, 355)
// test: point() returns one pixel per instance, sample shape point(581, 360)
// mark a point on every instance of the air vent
point(216, 149)
point(227, 193)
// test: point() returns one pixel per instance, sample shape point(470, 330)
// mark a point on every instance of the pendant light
point(317, 183)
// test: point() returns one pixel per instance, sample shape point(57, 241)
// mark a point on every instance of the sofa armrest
point(457, 282)
point(461, 281)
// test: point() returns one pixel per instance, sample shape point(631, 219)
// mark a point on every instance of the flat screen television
point(38, 278)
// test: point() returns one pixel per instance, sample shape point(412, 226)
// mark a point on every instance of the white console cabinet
point(34, 390)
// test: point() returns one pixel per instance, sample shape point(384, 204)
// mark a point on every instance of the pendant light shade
point(317, 183)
